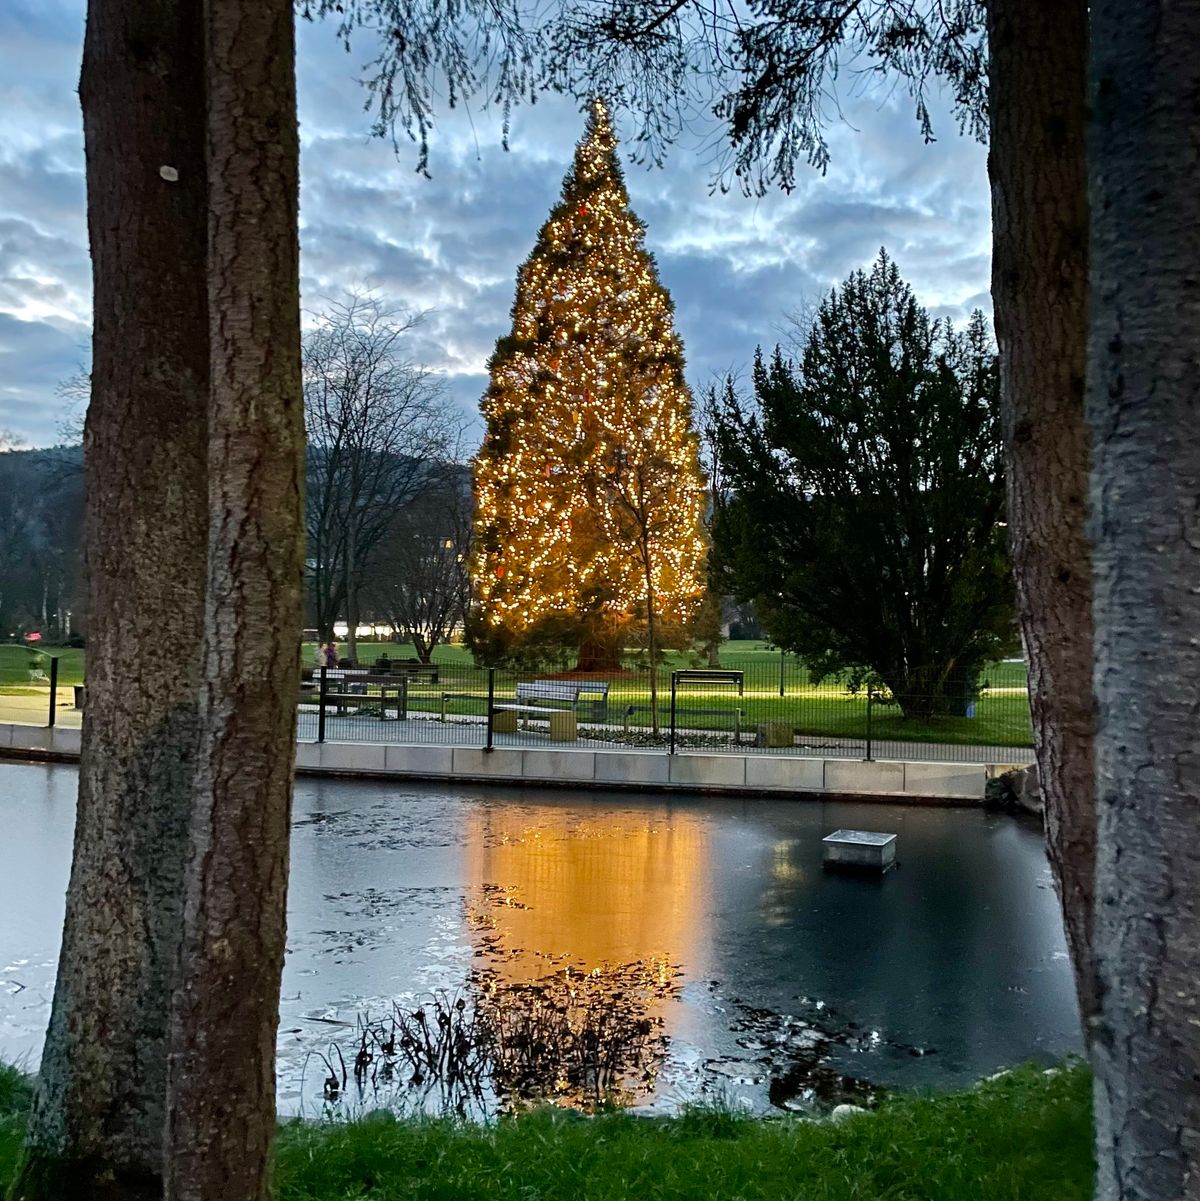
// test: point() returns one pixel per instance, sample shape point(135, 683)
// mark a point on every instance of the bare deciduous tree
point(379, 430)
point(74, 391)
point(421, 580)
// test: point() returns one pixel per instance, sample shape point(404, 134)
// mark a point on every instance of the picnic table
point(347, 687)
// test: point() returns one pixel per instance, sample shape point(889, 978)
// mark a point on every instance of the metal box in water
point(859, 850)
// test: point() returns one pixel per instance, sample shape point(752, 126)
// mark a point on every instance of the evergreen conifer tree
point(589, 494)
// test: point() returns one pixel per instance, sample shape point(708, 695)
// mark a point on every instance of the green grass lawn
point(1024, 1137)
point(815, 710)
point(19, 666)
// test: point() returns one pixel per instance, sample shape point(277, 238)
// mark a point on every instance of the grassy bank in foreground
point(1024, 1137)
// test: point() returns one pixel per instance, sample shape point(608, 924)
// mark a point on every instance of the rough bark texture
point(1037, 83)
point(97, 1125)
point(221, 1094)
point(1143, 408)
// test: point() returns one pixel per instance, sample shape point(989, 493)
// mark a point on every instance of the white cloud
point(452, 244)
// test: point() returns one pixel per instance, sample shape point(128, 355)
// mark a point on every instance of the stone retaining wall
point(642, 771)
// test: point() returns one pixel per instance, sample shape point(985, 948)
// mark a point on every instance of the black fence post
point(53, 688)
point(674, 683)
point(870, 700)
point(782, 657)
point(321, 705)
point(489, 745)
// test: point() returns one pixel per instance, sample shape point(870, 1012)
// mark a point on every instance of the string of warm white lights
point(588, 489)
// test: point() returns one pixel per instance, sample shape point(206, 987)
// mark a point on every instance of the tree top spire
point(596, 152)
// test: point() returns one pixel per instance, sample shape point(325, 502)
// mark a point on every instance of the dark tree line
point(41, 534)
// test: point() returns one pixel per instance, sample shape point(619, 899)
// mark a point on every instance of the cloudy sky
point(451, 245)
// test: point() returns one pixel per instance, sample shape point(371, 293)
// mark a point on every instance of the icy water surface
point(654, 950)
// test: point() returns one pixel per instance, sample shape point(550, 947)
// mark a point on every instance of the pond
point(583, 946)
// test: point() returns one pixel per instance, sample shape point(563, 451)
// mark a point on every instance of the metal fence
point(750, 705)
point(759, 707)
point(31, 688)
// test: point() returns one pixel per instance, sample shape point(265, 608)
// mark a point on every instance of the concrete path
point(32, 710)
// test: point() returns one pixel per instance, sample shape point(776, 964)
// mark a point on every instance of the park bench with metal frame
point(711, 677)
point(589, 698)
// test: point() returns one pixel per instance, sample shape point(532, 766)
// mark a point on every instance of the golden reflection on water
point(583, 924)
point(594, 890)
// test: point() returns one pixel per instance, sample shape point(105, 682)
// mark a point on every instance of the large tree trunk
point(1143, 402)
point(601, 644)
point(97, 1125)
point(598, 652)
point(423, 646)
point(1037, 81)
point(221, 1095)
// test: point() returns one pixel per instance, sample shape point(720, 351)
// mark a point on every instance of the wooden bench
point(588, 698)
point(710, 676)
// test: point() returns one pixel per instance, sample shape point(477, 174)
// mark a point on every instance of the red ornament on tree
point(500, 572)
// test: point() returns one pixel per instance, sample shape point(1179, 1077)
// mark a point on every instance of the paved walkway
point(421, 731)
point(32, 710)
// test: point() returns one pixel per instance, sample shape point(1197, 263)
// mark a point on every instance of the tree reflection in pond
point(579, 958)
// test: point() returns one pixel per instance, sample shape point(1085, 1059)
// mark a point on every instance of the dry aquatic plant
point(581, 1038)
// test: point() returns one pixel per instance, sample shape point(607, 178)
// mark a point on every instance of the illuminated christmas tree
point(588, 488)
